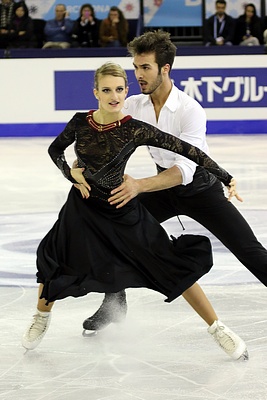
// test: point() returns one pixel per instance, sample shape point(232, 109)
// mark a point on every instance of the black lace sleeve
point(151, 136)
point(57, 147)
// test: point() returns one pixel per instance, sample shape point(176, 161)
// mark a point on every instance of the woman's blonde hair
point(110, 68)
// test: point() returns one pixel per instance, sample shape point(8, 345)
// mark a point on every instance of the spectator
point(85, 32)
point(6, 15)
point(248, 30)
point(264, 24)
point(23, 28)
point(114, 29)
point(220, 27)
point(58, 30)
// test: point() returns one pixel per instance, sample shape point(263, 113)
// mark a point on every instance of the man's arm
point(68, 23)
point(131, 187)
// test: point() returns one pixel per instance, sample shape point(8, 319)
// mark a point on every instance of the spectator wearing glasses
point(58, 30)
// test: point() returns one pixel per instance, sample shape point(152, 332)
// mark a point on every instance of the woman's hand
point(82, 185)
point(232, 192)
point(84, 191)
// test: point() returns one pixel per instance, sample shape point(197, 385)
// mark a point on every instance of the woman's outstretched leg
point(39, 325)
point(229, 341)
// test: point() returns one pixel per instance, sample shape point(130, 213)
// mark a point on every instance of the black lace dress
point(94, 247)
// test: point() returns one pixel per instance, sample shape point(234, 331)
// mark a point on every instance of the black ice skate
point(112, 310)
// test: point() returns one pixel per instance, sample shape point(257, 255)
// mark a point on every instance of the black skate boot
point(112, 310)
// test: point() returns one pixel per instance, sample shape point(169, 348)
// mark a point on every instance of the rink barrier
point(53, 129)
point(40, 95)
point(182, 50)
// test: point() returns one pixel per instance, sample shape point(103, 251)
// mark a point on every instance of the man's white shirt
point(181, 116)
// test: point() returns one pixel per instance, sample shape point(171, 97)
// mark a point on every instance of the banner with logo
point(160, 13)
point(45, 9)
point(232, 90)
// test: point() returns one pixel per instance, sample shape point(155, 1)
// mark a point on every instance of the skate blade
point(244, 356)
point(89, 333)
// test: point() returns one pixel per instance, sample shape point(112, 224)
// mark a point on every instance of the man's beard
point(154, 86)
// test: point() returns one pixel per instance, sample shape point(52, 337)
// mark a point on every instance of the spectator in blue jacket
point(58, 30)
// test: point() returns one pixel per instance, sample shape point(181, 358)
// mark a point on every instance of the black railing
point(182, 50)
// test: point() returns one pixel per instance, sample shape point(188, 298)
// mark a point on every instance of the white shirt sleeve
point(193, 131)
point(181, 116)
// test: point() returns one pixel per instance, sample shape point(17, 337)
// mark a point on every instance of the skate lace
point(38, 325)
point(224, 339)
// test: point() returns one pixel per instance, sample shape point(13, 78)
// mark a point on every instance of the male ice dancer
point(181, 187)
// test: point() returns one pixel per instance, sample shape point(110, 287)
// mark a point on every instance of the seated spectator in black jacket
point(6, 15)
point(248, 30)
point(219, 28)
point(85, 32)
point(22, 24)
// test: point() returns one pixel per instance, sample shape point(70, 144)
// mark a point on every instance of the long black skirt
point(94, 247)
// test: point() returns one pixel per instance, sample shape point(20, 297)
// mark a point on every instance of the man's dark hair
point(157, 42)
point(221, 2)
